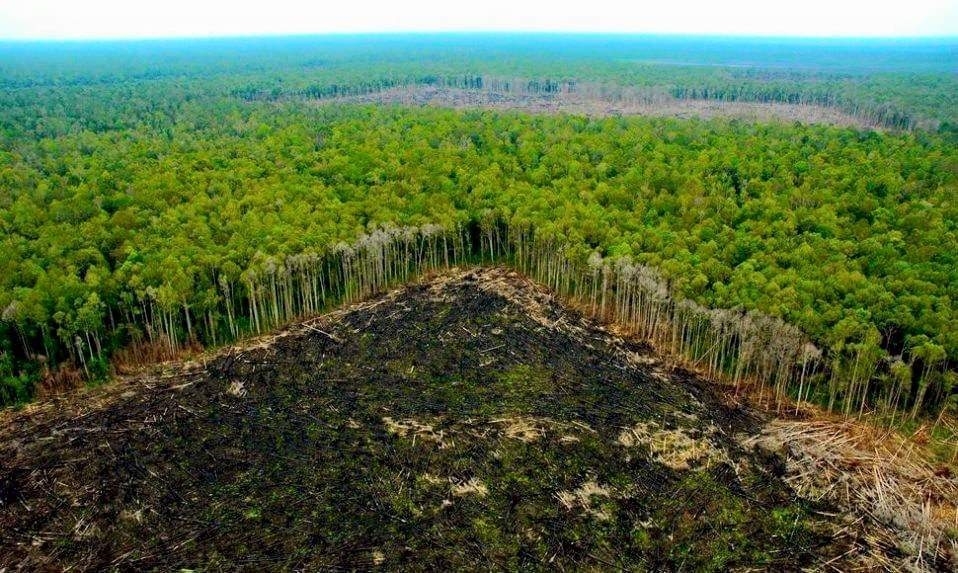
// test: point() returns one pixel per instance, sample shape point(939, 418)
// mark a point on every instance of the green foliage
point(171, 203)
point(15, 388)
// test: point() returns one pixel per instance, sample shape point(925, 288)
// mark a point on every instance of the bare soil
point(467, 422)
point(596, 105)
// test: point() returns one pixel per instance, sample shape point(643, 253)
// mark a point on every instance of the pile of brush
point(884, 482)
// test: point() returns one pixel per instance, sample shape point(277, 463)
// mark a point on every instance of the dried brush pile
point(880, 479)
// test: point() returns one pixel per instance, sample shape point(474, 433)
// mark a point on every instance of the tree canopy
point(176, 203)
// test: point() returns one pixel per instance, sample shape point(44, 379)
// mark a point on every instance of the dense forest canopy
point(159, 190)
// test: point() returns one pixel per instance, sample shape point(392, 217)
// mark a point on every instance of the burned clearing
point(464, 422)
point(595, 103)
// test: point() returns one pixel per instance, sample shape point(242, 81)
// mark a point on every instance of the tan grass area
point(674, 448)
point(472, 486)
point(416, 430)
point(586, 499)
point(530, 428)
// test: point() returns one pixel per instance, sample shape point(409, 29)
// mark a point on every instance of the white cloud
point(138, 18)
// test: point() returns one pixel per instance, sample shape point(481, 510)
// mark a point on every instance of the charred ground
point(465, 422)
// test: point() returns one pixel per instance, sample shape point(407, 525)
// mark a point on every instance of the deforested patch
point(594, 104)
point(465, 419)
point(675, 448)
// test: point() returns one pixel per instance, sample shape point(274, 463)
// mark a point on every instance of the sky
point(88, 19)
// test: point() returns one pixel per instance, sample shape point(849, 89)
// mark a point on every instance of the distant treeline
point(879, 115)
point(896, 84)
point(872, 114)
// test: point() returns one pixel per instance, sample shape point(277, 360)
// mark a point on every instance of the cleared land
point(468, 421)
point(593, 104)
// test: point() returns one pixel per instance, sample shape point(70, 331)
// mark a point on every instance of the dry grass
point(137, 356)
point(880, 476)
point(457, 487)
point(377, 557)
point(64, 379)
point(584, 498)
point(530, 428)
point(416, 430)
point(524, 429)
point(674, 448)
point(236, 389)
point(472, 486)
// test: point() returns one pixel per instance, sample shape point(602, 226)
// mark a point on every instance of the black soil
point(465, 423)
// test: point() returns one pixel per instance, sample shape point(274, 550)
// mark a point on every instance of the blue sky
point(78, 19)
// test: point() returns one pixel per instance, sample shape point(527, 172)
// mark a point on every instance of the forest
point(162, 195)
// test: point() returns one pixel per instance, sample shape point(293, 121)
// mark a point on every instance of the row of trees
point(275, 290)
point(738, 345)
point(745, 346)
point(493, 84)
point(872, 114)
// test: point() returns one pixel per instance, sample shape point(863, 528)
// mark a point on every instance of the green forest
point(160, 195)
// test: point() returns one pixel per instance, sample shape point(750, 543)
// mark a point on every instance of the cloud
point(138, 18)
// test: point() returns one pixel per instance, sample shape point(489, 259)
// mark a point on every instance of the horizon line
point(476, 32)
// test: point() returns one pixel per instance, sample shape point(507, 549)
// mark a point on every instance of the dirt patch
point(597, 105)
point(434, 428)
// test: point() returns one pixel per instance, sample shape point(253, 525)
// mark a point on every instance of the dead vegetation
point(472, 486)
point(529, 429)
point(675, 448)
point(587, 498)
point(416, 430)
point(880, 478)
point(597, 104)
